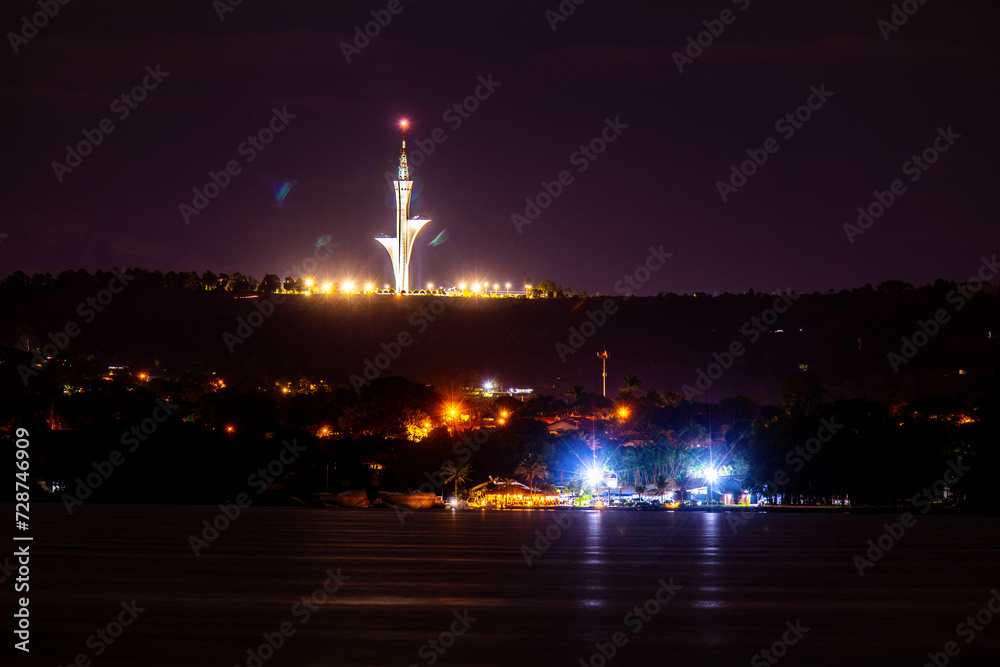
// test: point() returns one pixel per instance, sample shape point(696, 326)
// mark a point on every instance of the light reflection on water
point(407, 580)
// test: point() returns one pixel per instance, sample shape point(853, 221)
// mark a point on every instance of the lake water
point(737, 588)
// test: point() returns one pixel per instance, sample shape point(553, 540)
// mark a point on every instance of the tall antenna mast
point(604, 372)
point(404, 170)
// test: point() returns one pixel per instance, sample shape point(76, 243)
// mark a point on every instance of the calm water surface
point(406, 581)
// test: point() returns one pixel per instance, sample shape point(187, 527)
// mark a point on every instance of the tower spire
point(404, 171)
point(400, 247)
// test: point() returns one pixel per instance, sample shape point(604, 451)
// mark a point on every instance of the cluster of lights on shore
point(596, 475)
point(484, 288)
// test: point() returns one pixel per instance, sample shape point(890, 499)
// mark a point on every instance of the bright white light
point(594, 476)
point(327, 287)
point(488, 386)
point(369, 287)
point(348, 286)
point(711, 474)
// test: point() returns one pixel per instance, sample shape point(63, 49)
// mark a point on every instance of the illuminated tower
point(407, 228)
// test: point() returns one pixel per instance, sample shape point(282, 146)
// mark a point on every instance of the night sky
point(655, 185)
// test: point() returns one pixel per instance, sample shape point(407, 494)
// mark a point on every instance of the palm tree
point(459, 472)
point(681, 480)
point(632, 383)
point(662, 485)
point(536, 469)
point(639, 490)
point(577, 393)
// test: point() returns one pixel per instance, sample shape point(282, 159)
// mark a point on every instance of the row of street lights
point(349, 287)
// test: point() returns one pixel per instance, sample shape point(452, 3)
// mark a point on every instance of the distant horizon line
point(886, 286)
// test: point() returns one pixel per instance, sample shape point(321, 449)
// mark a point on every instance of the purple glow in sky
point(749, 134)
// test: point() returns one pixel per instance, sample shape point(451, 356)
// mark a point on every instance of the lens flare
point(282, 190)
point(439, 239)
